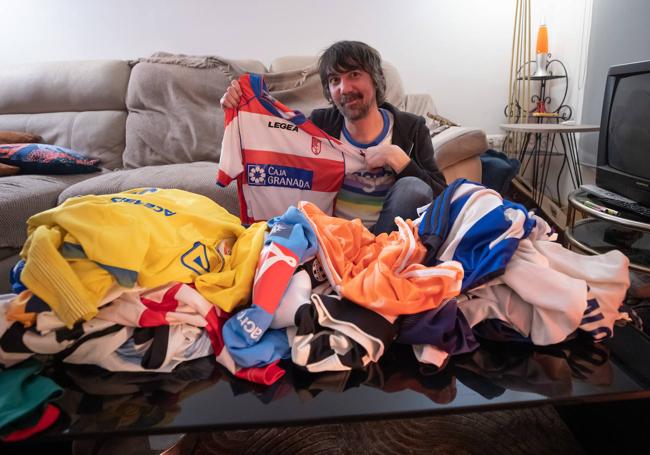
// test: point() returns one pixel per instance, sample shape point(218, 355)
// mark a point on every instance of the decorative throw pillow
point(5, 169)
point(46, 159)
point(15, 137)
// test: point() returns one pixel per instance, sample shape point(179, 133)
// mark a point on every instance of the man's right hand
point(232, 96)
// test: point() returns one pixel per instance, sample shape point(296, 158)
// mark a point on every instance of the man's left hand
point(387, 154)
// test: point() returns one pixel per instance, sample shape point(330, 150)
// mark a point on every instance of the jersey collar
point(375, 141)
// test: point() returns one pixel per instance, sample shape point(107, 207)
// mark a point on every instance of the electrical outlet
point(495, 141)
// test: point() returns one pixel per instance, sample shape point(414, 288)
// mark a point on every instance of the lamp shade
point(542, 40)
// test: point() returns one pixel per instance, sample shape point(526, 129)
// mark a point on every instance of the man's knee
point(412, 188)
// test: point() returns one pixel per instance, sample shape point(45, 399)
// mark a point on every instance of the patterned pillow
point(46, 159)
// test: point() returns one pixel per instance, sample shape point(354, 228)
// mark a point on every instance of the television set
point(623, 164)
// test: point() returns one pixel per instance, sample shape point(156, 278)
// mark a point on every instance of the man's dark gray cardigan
point(409, 133)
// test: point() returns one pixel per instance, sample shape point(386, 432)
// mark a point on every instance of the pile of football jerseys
point(190, 281)
point(516, 276)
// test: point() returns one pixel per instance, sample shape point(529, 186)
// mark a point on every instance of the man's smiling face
point(353, 93)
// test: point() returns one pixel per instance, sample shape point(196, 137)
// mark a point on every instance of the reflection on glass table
point(600, 236)
point(605, 229)
point(200, 395)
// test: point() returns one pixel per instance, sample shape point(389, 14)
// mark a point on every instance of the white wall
point(457, 51)
point(620, 34)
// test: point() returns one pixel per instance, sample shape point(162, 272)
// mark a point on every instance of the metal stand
point(540, 145)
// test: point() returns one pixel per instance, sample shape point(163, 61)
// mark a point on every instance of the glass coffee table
point(201, 396)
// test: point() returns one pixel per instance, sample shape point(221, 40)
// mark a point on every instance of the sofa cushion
point(204, 61)
point(78, 105)
point(458, 143)
point(174, 114)
point(63, 86)
point(98, 134)
point(298, 89)
point(291, 62)
point(420, 104)
point(46, 159)
point(198, 177)
point(457, 150)
point(22, 196)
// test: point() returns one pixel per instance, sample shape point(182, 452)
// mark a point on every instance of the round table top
point(548, 128)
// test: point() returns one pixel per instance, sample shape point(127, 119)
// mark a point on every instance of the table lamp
point(542, 51)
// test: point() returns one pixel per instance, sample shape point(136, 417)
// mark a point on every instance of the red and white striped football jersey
point(279, 157)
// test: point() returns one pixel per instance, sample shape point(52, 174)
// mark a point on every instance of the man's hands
point(387, 154)
point(232, 96)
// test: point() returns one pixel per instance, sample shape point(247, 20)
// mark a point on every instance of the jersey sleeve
point(230, 162)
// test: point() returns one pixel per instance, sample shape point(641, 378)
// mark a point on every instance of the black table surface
point(201, 396)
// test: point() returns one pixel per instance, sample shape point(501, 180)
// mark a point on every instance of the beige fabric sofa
point(157, 122)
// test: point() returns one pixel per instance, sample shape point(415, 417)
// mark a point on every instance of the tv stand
point(599, 231)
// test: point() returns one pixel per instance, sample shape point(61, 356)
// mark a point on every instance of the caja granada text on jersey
point(281, 176)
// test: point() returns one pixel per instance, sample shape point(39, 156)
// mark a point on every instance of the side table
point(600, 232)
point(541, 154)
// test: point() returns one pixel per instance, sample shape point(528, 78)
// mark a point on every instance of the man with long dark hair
point(401, 172)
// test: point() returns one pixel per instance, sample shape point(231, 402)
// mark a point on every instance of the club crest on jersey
point(317, 271)
point(315, 146)
point(196, 259)
point(280, 176)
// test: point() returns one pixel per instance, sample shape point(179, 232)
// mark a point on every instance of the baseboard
point(551, 211)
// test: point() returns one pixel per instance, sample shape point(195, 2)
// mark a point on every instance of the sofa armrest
point(457, 151)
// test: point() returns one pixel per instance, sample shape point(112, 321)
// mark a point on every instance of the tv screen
point(628, 138)
point(624, 142)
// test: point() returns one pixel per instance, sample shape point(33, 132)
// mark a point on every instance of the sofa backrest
point(173, 103)
point(161, 109)
point(79, 105)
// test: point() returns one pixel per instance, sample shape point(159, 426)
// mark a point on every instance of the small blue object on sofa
point(498, 170)
point(46, 159)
